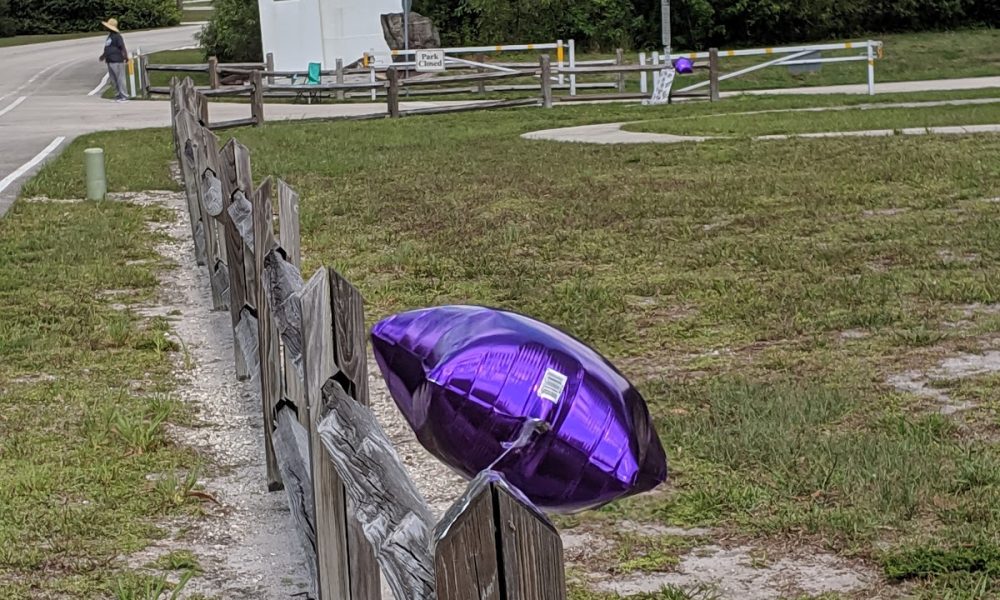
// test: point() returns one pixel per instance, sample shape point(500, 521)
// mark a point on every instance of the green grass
point(196, 16)
point(719, 277)
point(23, 40)
point(76, 444)
point(809, 122)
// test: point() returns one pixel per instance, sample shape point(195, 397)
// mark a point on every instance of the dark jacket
point(114, 48)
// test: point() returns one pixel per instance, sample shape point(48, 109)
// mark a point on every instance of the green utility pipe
point(97, 184)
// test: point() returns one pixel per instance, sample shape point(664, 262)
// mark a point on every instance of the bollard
point(97, 185)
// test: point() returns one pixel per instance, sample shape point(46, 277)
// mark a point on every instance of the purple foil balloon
point(468, 379)
point(684, 65)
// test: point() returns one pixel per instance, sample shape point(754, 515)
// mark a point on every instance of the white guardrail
point(787, 56)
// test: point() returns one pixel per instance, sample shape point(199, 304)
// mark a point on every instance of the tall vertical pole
point(665, 16)
point(871, 69)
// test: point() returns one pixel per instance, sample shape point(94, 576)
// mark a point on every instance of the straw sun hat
point(111, 24)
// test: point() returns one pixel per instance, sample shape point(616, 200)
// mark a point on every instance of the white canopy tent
point(299, 32)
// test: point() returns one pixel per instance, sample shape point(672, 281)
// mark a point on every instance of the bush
point(696, 24)
point(69, 16)
point(7, 28)
point(233, 34)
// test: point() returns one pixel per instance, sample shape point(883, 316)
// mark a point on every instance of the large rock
point(423, 33)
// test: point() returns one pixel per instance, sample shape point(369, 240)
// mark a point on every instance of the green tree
point(233, 34)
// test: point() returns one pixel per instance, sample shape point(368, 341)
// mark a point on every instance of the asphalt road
point(43, 97)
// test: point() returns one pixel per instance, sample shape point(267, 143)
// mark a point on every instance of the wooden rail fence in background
point(356, 514)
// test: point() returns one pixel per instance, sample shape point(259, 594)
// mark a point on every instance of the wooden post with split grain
point(713, 74)
point(234, 165)
point(257, 99)
point(481, 86)
point(268, 342)
point(338, 549)
point(288, 234)
point(202, 102)
point(494, 545)
point(393, 93)
point(269, 67)
point(545, 75)
point(340, 78)
point(213, 72)
point(210, 186)
point(185, 124)
point(620, 61)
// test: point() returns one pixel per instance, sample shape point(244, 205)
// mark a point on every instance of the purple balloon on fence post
point(485, 388)
point(683, 65)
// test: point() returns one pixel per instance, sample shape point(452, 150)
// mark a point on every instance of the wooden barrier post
point(481, 86)
point(269, 66)
point(493, 545)
point(288, 224)
point(393, 76)
point(211, 196)
point(546, 80)
point(340, 77)
point(713, 74)
point(257, 100)
point(319, 358)
point(202, 101)
point(234, 164)
point(213, 72)
point(268, 343)
point(620, 61)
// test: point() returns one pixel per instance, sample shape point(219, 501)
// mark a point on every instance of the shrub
point(68, 16)
point(233, 34)
point(6, 22)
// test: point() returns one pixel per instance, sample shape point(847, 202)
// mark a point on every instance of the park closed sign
point(430, 61)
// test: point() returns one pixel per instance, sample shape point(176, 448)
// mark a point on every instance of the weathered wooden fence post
point(713, 74)
point(481, 86)
point(210, 186)
point(345, 559)
point(234, 164)
point(545, 74)
point(393, 93)
point(268, 344)
point(202, 104)
point(213, 72)
point(257, 100)
point(493, 545)
point(620, 61)
point(269, 67)
point(185, 123)
point(288, 223)
point(340, 78)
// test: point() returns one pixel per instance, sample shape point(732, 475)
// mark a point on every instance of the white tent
point(299, 32)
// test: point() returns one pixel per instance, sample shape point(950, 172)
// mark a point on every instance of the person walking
point(115, 55)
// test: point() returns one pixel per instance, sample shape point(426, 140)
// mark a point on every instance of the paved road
point(43, 96)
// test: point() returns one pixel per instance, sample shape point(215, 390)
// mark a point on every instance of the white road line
point(100, 86)
point(12, 105)
point(31, 164)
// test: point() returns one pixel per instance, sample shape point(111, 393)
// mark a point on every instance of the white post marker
point(572, 65)
point(656, 74)
point(644, 82)
point(131, 77)
point(373, 81)
point(871, 69)
point(560, 55)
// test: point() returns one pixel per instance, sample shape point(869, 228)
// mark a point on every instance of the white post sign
point(430, 61)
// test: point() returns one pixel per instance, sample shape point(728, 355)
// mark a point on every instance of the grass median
point(86, 469)
point(763, 296)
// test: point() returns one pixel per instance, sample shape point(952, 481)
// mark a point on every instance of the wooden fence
point(357, 515)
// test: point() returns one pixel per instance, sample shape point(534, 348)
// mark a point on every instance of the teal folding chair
point(314, 76)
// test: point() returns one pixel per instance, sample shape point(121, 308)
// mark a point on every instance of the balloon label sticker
point(552, 386)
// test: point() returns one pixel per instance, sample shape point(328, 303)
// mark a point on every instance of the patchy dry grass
point(759, 294)
point(75, 443)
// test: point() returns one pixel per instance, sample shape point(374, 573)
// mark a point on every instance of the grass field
point(86, 388)
point(806, 122)
point(762, 295)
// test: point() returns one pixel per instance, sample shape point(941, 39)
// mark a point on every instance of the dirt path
point(241, 543)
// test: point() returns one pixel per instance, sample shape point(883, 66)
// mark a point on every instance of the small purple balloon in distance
point(472, 380)
point(683, 65)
